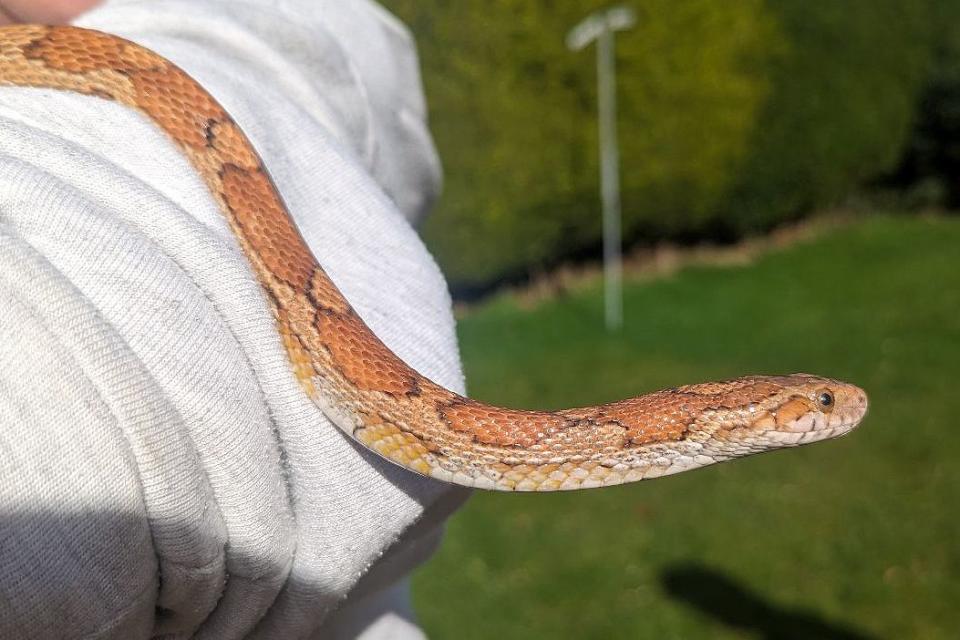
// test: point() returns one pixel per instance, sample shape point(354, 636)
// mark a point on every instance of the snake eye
point(825, 399)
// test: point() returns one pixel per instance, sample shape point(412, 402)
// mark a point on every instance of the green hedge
point(929, 173)
point(733, 116)
point(842, 105)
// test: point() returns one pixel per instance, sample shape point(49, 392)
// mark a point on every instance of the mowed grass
point(852, 538)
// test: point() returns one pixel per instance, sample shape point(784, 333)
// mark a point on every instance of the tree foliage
point(930, 168)
point(732, 116)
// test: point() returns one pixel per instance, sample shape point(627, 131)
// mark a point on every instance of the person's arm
point(43, 11)
point(163, 471)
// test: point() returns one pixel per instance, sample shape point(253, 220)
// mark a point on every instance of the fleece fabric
point(161, 472)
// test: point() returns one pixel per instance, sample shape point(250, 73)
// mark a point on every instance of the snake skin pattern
point(359, 383)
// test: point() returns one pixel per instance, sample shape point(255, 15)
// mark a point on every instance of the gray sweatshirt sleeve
point(161, 473)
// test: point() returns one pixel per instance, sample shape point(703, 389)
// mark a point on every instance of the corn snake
point(362, 386)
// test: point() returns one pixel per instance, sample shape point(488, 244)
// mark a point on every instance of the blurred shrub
point(842, 104)
point(733, 116)
point(929, 174)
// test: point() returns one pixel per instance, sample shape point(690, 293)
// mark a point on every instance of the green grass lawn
point(854, 538)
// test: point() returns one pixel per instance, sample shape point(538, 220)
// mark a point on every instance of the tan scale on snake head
point(360, 384)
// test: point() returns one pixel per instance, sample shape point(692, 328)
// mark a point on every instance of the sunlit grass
point(858, 535)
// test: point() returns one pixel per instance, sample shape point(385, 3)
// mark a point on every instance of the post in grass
point(600, 26)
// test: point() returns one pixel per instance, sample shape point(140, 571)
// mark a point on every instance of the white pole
point(600, 26)
point(609, 181)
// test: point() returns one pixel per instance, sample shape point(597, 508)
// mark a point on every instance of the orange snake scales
point(360, 384)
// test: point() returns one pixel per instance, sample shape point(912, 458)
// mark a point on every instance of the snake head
point(805, 409)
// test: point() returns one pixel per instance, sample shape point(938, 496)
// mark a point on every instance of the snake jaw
point(802, 417)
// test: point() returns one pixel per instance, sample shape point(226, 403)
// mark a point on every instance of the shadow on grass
point(719, 596)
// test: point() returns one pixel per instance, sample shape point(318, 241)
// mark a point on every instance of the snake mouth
point(847, 409)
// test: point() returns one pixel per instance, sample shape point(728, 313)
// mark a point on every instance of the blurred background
point(789, 178)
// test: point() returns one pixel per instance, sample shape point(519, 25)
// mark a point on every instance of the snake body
point(359, 383)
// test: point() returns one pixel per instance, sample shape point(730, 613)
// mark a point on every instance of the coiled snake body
point(360, 384)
